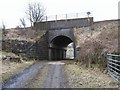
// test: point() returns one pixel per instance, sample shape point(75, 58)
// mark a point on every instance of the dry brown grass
point(81, 77)
point(95, 44)
point(27, 34)
point(11, 68)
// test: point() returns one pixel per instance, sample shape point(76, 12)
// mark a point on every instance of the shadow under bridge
point(58, 47)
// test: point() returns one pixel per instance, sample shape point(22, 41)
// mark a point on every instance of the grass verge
point(81, 77)
point(13, 68)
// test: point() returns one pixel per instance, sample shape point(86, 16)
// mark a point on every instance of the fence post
point(46, 18)
point(107, 61)
point(66, 16)
point(56, 17)
point(76, 15)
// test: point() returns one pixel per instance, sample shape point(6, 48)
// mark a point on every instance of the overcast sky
point(12, 10)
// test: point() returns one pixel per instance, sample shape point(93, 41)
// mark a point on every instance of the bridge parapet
point(64, 24)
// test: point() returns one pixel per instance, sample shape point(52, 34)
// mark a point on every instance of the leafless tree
point(35, 12)
point(3, 27)
point(22, 20)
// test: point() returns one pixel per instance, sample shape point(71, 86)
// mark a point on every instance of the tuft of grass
point(6, 53)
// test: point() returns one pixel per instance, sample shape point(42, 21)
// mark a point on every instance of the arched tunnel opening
point(58, 48)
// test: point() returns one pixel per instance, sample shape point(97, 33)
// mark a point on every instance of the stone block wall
point(37, 49)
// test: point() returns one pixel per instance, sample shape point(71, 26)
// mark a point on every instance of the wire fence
point(113, 63)
point(66, 16)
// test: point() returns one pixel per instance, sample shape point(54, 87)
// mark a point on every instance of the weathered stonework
point(37, 49)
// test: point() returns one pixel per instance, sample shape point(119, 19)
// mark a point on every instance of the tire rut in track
point(37, 82)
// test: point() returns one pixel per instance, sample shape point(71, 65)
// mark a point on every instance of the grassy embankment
point(94, 44)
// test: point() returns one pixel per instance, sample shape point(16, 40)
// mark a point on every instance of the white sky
point(12, 10)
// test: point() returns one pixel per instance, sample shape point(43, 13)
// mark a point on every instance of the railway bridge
point(59, 34)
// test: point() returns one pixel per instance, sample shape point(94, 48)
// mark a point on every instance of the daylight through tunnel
point(58, 47)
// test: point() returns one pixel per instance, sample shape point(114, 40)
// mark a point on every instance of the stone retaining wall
point(36, 49)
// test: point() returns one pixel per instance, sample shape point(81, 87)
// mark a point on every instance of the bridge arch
point(58, 47)
point(61, 41)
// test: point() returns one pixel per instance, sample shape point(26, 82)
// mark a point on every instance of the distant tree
point(35, 12)
point(22, 20)
point(3, 27)
point(18, 27)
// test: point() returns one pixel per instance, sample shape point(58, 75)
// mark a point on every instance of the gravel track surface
point(59, 74)
point(55, 77)
point(23, 78)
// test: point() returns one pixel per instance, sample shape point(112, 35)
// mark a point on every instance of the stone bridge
point(59, 36)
